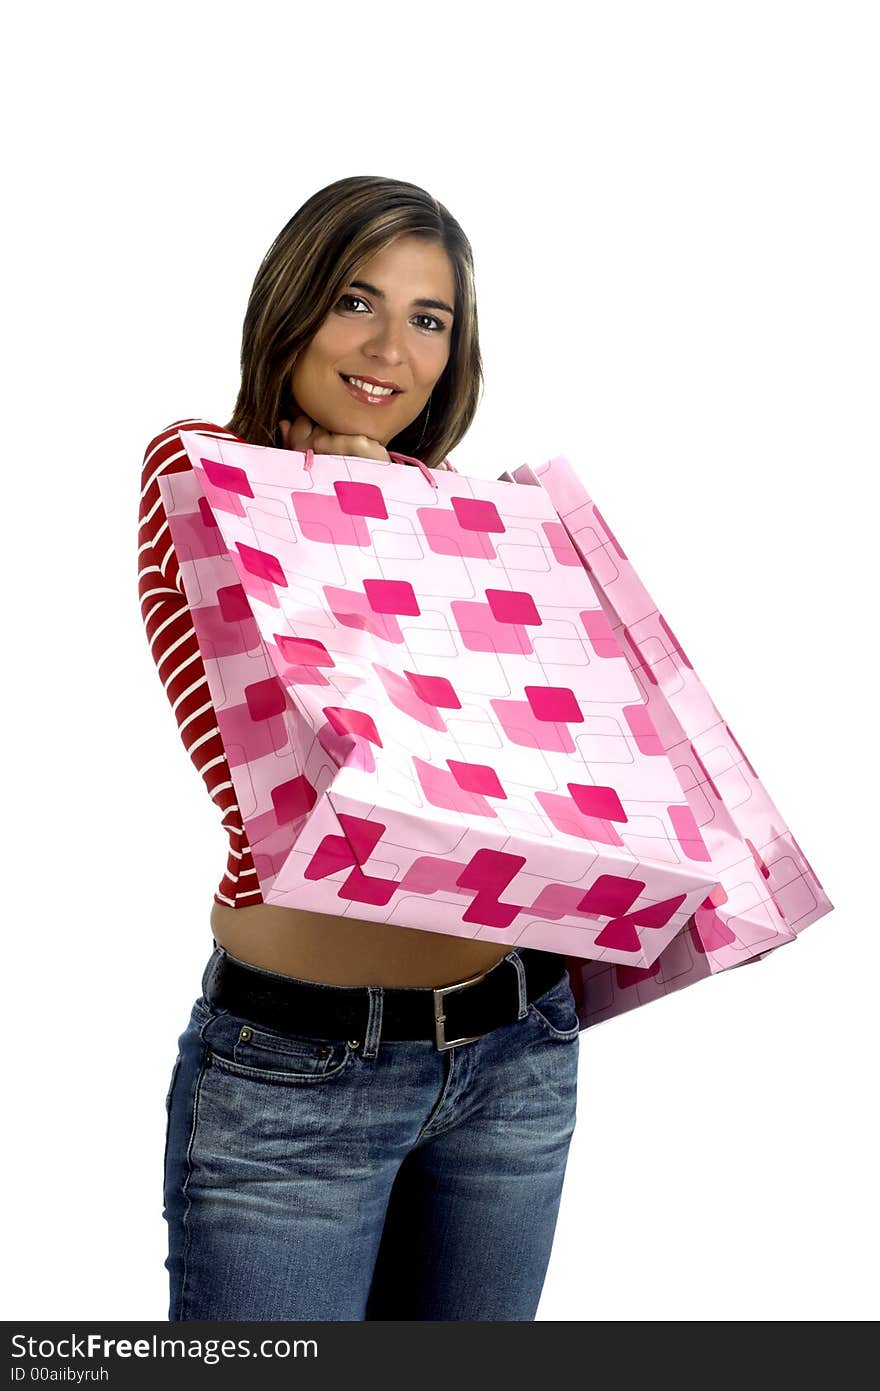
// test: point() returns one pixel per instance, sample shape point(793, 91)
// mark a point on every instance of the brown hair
point(301, 277)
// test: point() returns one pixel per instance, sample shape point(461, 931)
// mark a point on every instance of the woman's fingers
point(355, 446)
point(297, 434)
point(303, 433)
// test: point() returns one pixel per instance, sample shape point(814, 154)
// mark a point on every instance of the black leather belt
point(447, 1014)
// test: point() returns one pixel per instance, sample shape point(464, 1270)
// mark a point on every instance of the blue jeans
point(307, 1179)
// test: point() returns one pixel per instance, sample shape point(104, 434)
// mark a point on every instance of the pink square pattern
point(387, 704)
point(767, 891)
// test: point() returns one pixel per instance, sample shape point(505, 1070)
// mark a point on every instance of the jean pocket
point(556, 1011)
point(267, 1055)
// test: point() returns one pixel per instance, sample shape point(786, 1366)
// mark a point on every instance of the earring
point(425, 426)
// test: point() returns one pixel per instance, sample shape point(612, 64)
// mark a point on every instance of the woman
point(346, 1140)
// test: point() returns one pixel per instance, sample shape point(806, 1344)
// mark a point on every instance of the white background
point(673, 210)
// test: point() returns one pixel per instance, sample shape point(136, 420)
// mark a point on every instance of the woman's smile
point(374, 396)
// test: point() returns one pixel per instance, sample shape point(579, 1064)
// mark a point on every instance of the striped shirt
point(175, 649)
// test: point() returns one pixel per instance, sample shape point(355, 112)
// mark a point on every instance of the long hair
point(303, 274)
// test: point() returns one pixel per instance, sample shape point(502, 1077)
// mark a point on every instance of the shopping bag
point(417, 727)
point(768, 891)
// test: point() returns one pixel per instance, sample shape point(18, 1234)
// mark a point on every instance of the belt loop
point(374, 1022)
point(516, 960)
point(210, 971)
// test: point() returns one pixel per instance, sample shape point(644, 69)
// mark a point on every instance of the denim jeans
point(311, 1179)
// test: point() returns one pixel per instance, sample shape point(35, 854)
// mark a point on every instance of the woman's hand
point(302, 434)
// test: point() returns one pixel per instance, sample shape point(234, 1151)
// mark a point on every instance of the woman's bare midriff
point(348, 951)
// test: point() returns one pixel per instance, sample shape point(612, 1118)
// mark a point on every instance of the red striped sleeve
point(175, 651)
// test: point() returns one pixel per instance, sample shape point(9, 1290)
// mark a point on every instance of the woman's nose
point(388, 341)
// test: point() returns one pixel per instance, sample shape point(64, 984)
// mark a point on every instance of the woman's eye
point(356, 299)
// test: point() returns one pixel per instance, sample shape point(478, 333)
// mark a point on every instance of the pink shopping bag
point(768, 892)
point(418, 726)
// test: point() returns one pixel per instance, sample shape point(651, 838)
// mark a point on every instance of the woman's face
point(392, 324)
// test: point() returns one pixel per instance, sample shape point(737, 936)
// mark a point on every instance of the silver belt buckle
point(440, 991)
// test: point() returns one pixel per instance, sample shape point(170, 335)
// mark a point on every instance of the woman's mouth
point(370, 395)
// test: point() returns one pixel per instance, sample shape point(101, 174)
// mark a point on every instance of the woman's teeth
point(373, 390)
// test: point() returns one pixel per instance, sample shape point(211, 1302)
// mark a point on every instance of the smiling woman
point(372, 278)
point(373, 365)
point(329, 1127)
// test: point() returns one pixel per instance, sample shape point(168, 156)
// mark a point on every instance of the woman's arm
point(175, 651)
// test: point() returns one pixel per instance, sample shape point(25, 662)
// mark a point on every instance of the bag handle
point(408, 459)
point(392, 454)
